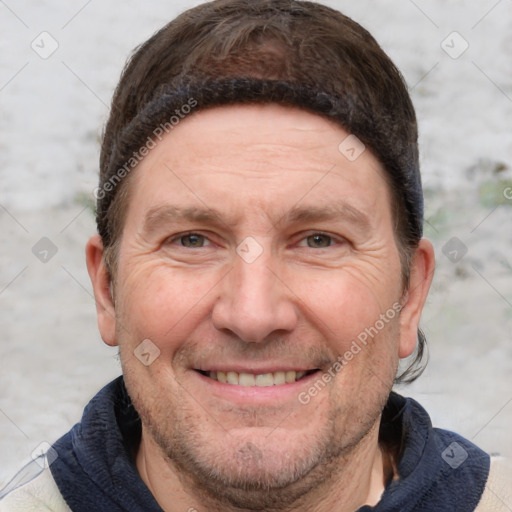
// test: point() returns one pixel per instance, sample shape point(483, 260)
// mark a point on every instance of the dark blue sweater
point(95, 471)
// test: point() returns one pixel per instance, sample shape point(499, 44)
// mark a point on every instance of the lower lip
point(258, 394)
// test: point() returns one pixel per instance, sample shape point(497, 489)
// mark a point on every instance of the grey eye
point(319, 241)
point(193, 241)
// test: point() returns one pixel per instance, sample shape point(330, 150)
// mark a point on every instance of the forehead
point(265, 157)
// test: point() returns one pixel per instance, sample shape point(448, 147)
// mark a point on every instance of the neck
point(358, 479)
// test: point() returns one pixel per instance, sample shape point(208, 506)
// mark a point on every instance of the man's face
point(253, 246)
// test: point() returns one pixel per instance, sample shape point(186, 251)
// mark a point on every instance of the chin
point(254, 471)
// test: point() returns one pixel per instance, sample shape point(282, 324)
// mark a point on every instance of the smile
point(259, 380)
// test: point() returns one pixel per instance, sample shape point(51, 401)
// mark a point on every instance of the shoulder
point(33, 488)
point(497, 496)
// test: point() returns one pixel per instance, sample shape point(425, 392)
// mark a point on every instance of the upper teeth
point(261, 379)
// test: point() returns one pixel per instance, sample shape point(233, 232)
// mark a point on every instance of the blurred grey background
point(59, 64)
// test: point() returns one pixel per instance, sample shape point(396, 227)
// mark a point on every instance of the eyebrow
point(338, 211)
point(160, 216)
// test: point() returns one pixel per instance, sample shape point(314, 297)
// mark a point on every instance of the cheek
point(161, 303)
point(345, 304)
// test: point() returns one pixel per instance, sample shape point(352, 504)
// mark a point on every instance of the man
point(260, 264)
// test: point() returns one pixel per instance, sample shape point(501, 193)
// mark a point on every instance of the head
point(259, 212)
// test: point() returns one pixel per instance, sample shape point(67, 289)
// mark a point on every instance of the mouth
point(279, 378)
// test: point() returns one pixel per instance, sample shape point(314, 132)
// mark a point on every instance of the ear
point(101, 282)
point(421, 274)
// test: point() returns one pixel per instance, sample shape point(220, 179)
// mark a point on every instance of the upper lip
point(256, 370)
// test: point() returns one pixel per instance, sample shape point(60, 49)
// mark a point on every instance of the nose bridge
point(253, 302)
point(255, 287)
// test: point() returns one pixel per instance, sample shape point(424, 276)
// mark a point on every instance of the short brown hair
point(284, 51)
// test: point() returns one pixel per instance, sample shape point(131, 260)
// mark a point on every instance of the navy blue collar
point(95, 469)
point(439, 471)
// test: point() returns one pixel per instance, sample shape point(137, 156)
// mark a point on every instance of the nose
point(254, 302)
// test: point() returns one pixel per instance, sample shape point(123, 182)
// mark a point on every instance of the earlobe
point(101, 284)
point(421, 274)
